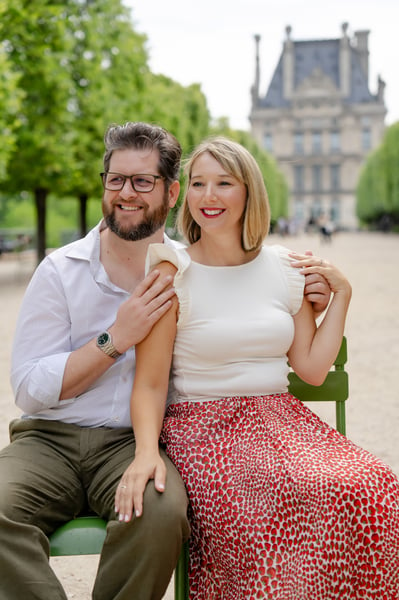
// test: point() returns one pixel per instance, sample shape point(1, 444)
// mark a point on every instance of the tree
point(43, 149)
point(378, 186)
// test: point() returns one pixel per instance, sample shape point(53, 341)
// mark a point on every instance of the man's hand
point(137, 315)
point(317, 290)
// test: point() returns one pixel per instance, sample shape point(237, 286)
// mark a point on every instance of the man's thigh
point(39, 475)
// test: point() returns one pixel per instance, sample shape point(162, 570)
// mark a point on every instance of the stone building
point(319, 120)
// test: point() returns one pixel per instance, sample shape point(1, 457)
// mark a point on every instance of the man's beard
point(149, 225)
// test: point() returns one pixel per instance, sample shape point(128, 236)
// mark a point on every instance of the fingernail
point(121, 517)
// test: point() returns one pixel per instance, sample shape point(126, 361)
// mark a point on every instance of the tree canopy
point(378, 187)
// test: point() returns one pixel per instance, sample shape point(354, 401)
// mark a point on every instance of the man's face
point(135, 215)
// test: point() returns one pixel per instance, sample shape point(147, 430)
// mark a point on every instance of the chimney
point(345, 62)
point(363, 50)
point(255, 87)
point(288, 65)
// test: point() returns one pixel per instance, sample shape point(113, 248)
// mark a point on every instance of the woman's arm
point(147, 407)
point(314, 349)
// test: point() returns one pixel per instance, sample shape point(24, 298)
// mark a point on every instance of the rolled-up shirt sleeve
point(42, 342)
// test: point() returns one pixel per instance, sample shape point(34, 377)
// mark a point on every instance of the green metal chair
point(334, 389)
point(85, 535)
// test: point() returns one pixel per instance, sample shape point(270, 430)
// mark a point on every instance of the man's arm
point(134, 320)
point(45, 367)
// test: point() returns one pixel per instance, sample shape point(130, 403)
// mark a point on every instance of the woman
point(281, 505)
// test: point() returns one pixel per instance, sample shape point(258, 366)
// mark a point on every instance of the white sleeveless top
point(235, 324)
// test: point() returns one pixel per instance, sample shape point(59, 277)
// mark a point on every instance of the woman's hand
point(130, 491)
point(309, 265)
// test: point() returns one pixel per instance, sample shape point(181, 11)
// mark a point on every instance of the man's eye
point(142, 181)
point(115, 179)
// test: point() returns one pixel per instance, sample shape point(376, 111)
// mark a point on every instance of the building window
point(335, 210)
point(298, 178)
point(366, 138)
point(335, 177)
point(316, 209)
point(299, 211)
point(298, 142)
point(316, 142)
point(268, 142)
point(335, 141)
point(316, 178)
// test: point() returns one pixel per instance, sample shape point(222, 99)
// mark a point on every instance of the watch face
point(103, 338)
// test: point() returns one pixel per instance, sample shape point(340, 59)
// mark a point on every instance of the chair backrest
point(334, 389)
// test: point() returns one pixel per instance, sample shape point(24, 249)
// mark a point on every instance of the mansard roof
point(318, 55)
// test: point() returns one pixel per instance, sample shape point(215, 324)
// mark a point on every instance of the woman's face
point(215, 198)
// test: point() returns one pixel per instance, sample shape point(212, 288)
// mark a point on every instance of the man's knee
point(168, 510)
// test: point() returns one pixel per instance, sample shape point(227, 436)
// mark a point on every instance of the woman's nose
point(210, 192)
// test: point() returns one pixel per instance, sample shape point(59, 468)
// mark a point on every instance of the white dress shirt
point(69, 301)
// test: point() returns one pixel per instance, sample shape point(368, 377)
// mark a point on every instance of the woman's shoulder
point(158, 253)
point(279, 254)
point(294, 278)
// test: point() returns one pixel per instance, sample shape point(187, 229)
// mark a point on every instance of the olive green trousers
point(50, 473)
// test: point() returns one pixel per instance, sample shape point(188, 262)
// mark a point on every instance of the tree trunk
point(83, 214)
point(40, 202)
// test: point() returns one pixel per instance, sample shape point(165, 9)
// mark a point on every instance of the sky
point(211, 42)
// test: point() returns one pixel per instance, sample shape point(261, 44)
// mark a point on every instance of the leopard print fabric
point(282, 506)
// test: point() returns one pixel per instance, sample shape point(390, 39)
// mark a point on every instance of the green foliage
point(10, 100)
point(378, 186)
point(18, 213)
point(36, 46)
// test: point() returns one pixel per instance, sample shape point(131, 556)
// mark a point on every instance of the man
point(73, 362)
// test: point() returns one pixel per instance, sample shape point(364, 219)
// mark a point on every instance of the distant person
point(282, 506)
point(326, 228)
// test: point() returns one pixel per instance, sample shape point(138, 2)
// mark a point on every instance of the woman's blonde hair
point(239, 163)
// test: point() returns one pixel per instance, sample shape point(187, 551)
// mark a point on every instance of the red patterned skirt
point(282, 506)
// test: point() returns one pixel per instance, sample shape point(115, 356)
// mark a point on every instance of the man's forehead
point(133, 156)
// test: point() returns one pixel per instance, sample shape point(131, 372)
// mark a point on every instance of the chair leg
point(181, 575)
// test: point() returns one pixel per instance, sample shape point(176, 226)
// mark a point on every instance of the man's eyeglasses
point(141, 182)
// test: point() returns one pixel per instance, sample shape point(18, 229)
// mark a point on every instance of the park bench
point(86, 534)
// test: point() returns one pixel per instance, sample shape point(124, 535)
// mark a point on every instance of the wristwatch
point(104, 342)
